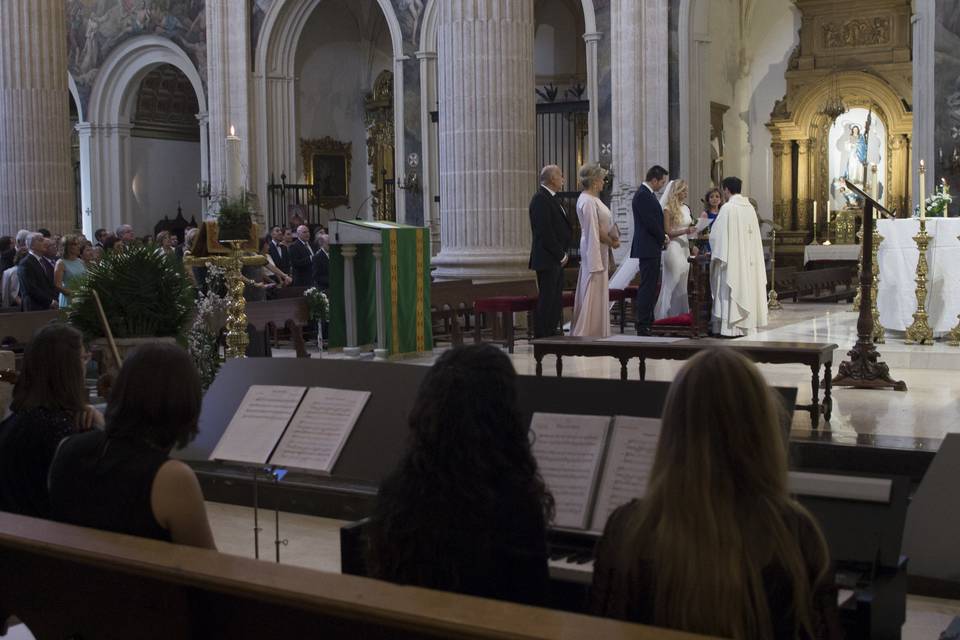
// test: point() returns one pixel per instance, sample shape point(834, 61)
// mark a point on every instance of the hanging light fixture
point(834, 107)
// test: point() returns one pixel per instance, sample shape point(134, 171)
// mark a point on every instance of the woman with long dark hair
point(466, 510)
point(717, 546)
point(50, 402)
point(122, 479)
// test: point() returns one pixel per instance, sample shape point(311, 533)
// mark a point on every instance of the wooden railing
point(64, 581)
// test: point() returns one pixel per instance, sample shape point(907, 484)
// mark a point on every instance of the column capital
point(594, 36)
point(426, 55)
point(203, 118)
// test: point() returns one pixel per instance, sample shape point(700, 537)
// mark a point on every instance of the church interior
point(397, 318)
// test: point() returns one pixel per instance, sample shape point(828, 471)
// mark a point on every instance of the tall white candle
point(923, 191)
point(234, 169)
point(946, 190)
point(814, 214)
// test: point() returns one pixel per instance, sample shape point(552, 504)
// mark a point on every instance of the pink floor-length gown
point(591, 307)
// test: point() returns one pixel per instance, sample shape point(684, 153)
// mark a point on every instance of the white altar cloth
point(831, 252)
point(898, 255)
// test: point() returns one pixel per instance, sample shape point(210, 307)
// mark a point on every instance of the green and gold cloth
point(405, 278)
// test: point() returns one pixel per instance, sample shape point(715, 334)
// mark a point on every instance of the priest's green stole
point(405, 290)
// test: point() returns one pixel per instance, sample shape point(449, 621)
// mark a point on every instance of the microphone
point(365, 200)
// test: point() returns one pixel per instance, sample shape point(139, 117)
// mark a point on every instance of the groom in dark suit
point(548, 255)
point(649, 238)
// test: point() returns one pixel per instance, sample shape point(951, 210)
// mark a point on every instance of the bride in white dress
point(678, 224)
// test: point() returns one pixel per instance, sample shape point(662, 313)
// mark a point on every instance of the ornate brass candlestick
point(856, 298)
point(920, 332)
point(879, 335)
point(236, 325)
point(773, 302)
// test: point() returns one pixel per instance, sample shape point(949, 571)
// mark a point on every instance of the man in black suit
point(548, 255)
point(35, 275)
point(649, 239)
point(279, 252)
point(301, 258)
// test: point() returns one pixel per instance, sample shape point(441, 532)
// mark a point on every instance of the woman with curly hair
point(466, 510)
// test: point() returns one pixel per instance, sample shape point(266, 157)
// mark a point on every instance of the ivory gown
point(591, 307)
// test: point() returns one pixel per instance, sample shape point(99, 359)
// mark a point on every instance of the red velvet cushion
point(616, 295)
point(684, 319)
point(506, 303)
point(568, 298)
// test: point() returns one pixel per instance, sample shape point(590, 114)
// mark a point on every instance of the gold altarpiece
point(860, 50)
point(380, 147)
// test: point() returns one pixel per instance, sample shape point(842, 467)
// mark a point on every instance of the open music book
point(593, 464)
point(293, 427)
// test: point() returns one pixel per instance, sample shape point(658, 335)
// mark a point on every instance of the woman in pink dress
point(591, 307)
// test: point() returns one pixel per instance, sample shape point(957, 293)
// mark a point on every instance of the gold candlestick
point(920, 332)
point(773, 302)
point(856, 298)
point(237, 338)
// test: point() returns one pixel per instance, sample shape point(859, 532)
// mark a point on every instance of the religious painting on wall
point(857, 141)
point(326, 165)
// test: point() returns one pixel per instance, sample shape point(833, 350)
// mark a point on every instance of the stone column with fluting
point(36, 177)
point(488, 160)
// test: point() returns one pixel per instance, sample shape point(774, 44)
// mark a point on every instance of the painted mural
point(97, 27)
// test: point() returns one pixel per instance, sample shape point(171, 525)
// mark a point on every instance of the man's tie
point(47, 268)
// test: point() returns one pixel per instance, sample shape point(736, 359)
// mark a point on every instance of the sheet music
point(258, 423)
point(633, 446)
point(568, 449)
point(320, 428)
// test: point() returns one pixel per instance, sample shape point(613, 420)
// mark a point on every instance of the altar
point(898, 256)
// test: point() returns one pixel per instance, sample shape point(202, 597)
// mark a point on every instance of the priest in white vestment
point(738, 275)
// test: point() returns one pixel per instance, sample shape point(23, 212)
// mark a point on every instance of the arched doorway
point(315, 63)
point(106, 140)
point(164, 149)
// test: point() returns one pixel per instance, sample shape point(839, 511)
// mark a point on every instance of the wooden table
point(813, 354)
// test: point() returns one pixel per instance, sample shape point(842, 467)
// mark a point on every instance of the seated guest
point(268, 248)
point(122, 479)
point(164, 242)
point(50, 402)
point(466, 510)
point(717, 546)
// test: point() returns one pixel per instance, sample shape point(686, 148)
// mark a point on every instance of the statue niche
point(381, 147)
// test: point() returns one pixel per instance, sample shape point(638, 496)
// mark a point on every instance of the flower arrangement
point(203, 335)
point(317, 304)
point(937, 204)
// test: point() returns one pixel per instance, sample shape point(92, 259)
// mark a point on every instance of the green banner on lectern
point(405, 290)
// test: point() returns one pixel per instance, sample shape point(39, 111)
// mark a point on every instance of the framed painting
point(326, 164)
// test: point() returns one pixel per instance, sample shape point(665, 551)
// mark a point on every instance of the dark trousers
point(647, 293)
point(549, 302)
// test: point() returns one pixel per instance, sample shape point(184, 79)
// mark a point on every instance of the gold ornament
point(920, 332)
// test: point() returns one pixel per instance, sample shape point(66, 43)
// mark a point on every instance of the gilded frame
point(332, 158)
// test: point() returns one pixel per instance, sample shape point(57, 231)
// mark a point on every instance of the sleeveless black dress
point(104, 482)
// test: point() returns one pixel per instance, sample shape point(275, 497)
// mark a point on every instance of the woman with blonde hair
point(598, 233)
point(717, 546)
point(69, 268)
point(674, 267)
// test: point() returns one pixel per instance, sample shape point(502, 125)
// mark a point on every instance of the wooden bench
point(504, 299)
point(825, 285)
point(450, 301)
point(290, 313)
point(813, 355)
point(785, 282)
point(70, 582)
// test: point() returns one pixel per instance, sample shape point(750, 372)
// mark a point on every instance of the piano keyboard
point(577, 568)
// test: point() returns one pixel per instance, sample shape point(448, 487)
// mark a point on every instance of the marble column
point(36, 177)
point(924, 92)
point(640, 80)
point(488, 167)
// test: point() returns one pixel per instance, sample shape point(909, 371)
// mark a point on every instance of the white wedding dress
point(674, 269)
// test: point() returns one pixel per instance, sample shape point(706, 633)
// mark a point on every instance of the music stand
point(863, 370)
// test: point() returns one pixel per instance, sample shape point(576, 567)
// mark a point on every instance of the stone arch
point(797, 126)
point(75, 92)
point(105, 134)
point(276, 103)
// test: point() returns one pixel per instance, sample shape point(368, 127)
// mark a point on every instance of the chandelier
point(834, 107)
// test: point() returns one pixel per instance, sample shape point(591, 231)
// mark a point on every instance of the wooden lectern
point(380, 288)
point(864, 370)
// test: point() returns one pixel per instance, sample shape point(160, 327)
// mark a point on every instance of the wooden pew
point(70, 582)
point(290, 313)
point(504, 299)
point(21, 326)
point(826, 285)
point(450, 301)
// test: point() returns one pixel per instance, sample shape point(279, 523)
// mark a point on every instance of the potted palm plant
point(146, 297)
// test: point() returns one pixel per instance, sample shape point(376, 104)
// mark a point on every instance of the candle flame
point(233, 133)
point(923, 166)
